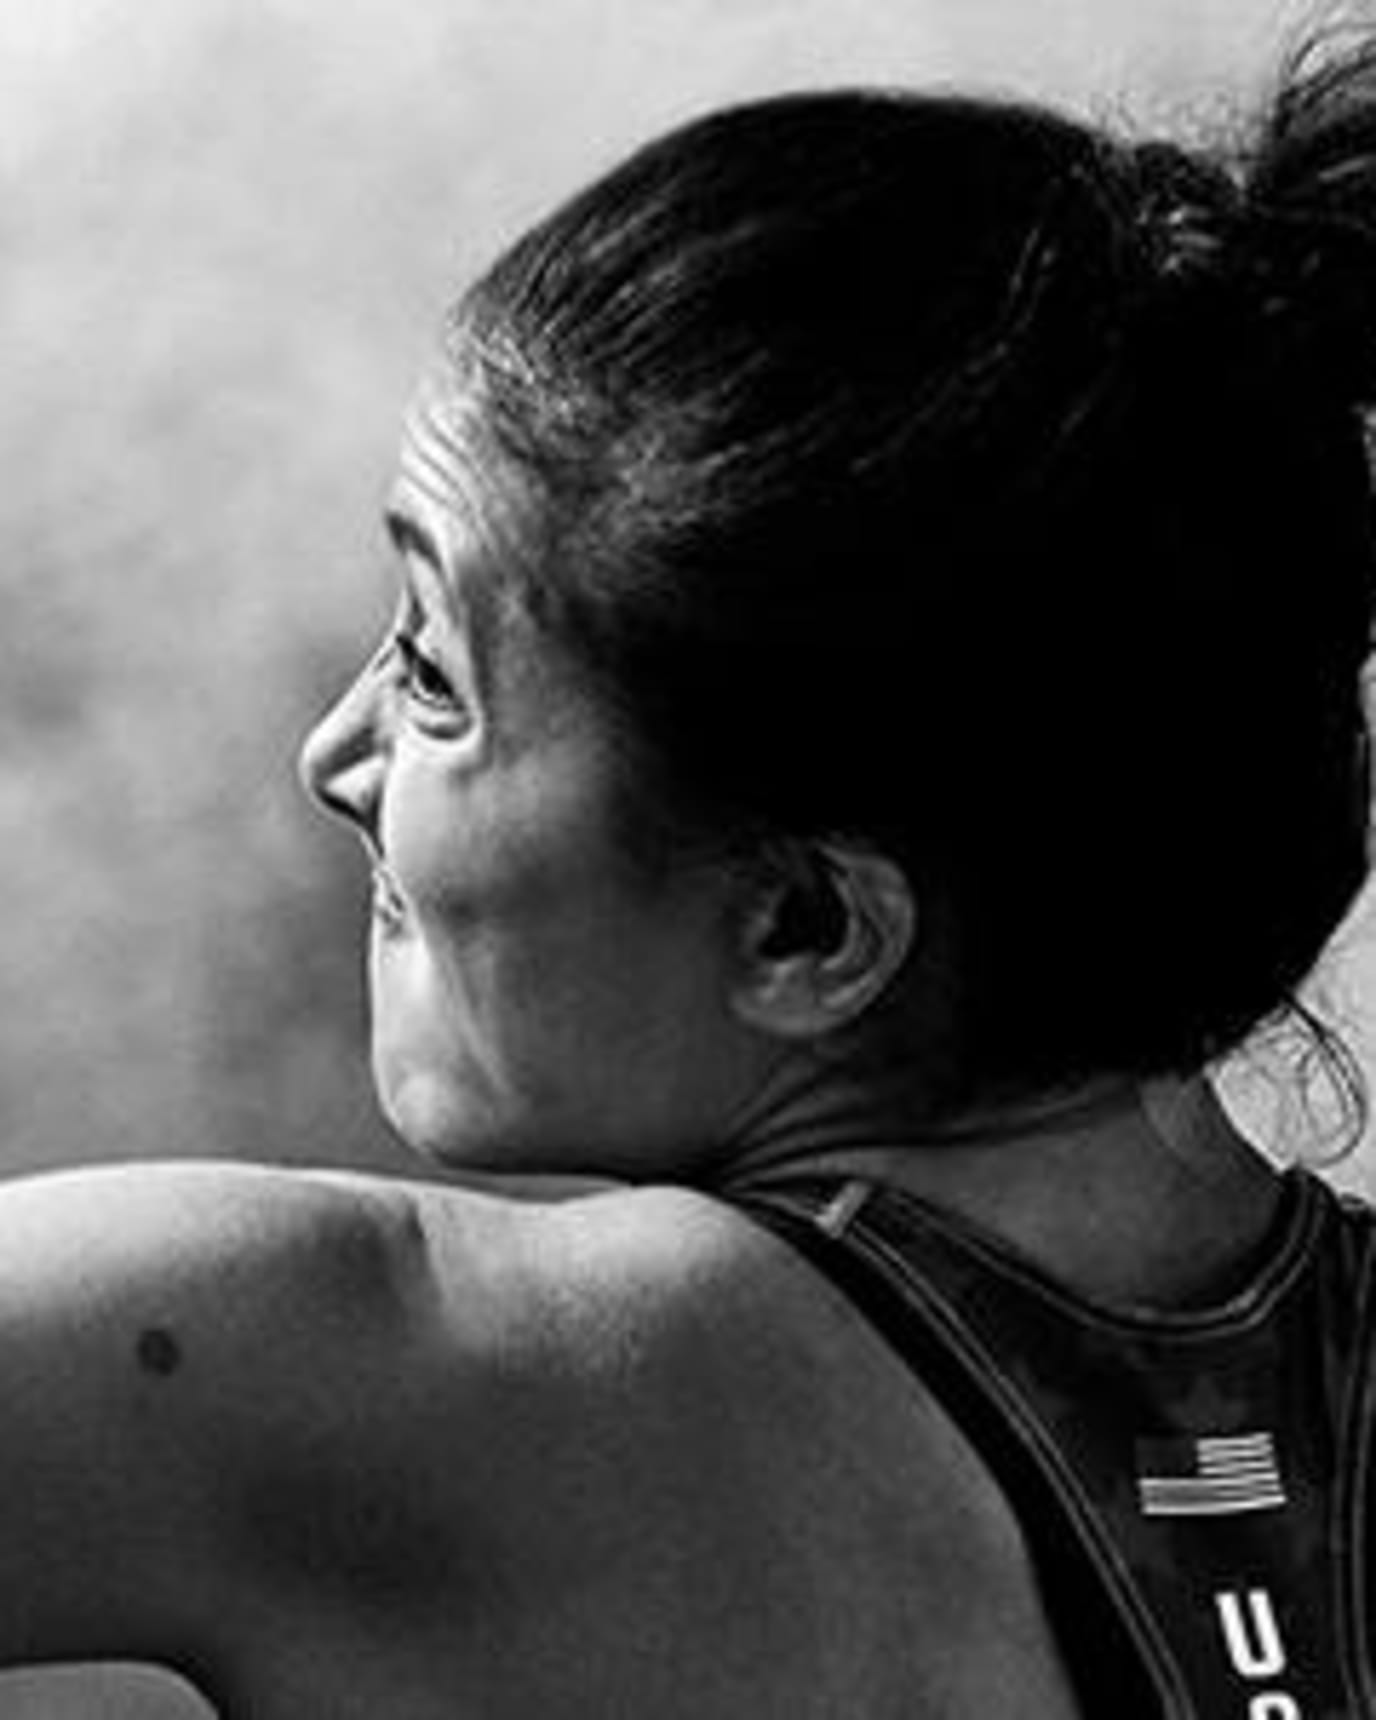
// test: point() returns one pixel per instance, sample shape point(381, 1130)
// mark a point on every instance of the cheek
point(440, 842)
point(543, 959)
point(516, 867)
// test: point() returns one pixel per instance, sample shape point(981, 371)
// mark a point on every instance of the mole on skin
point(158, 1351)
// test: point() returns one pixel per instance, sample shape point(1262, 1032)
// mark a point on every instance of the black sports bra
point(1192, 1486)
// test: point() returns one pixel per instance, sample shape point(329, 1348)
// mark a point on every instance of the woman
point(873, 711)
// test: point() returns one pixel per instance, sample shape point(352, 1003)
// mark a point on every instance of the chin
point(433, 1128)
point(442, 1125)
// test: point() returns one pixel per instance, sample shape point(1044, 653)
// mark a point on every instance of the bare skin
point(338, 1447)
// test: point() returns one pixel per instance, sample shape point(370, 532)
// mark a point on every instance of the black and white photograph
point(688, 997)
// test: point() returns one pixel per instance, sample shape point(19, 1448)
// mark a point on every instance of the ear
point(831, 924)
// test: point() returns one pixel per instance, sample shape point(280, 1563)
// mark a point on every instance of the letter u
point(1253, 1637)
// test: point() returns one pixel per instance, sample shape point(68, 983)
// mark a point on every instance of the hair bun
point(1186, 208)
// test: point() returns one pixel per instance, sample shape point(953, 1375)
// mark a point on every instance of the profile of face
point(540, 1000)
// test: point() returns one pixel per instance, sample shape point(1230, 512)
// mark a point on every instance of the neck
point(1132, 1191)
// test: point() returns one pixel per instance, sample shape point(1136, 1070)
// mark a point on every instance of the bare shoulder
point(261, 1284)
point(376, 1414)
point(163, 1328)
point(181, 1232)
point(257, 1411)
point(672, 1314)
point(229, 1292)
point(643, 1270)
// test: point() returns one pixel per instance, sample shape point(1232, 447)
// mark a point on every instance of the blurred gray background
point(228, 228)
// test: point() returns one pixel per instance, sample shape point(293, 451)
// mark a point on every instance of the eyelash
point(416, 669)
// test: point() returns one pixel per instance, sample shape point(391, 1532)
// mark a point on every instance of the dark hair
point(993, 489)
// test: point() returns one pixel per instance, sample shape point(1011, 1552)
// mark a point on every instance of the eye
point(422, 678)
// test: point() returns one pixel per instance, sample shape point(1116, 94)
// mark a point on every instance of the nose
point(343, 758)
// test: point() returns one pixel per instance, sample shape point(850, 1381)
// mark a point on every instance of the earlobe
point(824, 940)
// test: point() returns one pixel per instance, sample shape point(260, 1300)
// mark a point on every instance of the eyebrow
point(409, 537)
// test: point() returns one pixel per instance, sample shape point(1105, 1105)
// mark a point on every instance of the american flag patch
point(1212, 1476)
